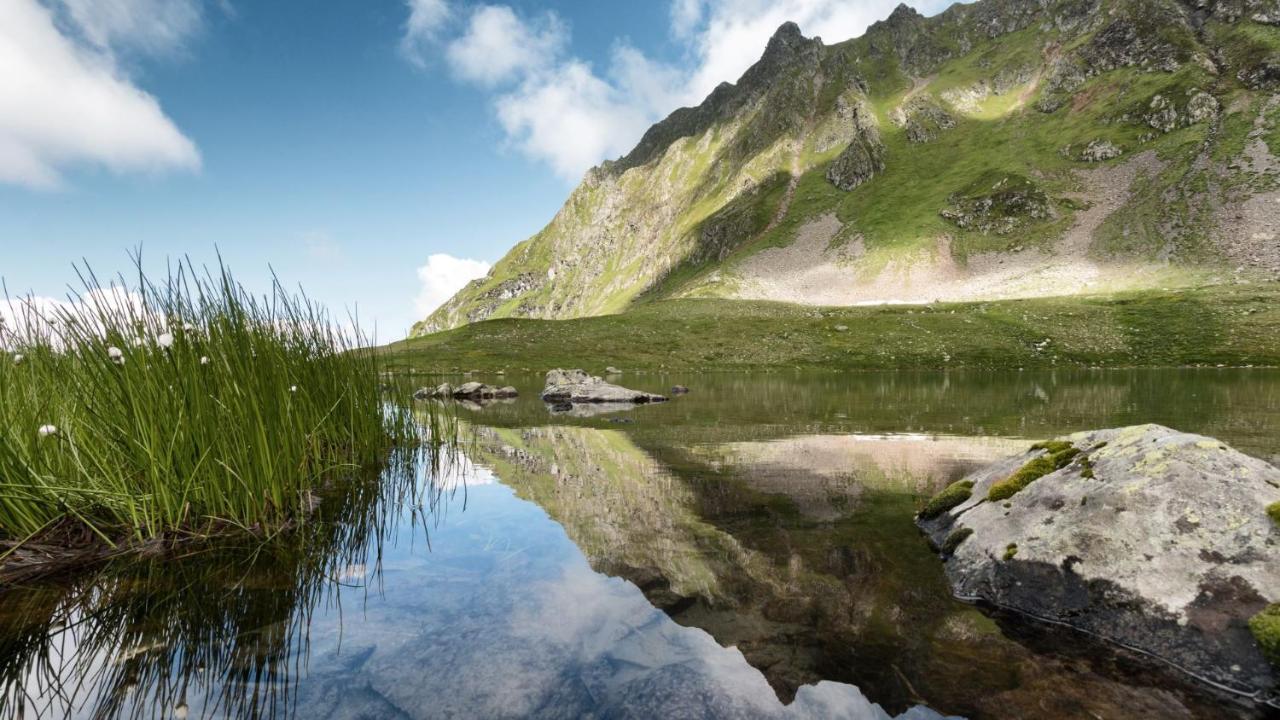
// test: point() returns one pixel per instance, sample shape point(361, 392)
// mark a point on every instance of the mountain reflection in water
point(501, 616)
point(746, 551)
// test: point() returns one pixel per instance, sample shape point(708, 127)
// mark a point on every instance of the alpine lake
point(746, 550)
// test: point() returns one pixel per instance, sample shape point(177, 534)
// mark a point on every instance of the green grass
point(1230, 325)
point(181, 407)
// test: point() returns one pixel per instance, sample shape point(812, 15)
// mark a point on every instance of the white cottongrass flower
point(293, 388)
point(165, 340)
point(116, 355)
point(204, 359)
point(139, 342)
point(18, 358)
point(47, 430)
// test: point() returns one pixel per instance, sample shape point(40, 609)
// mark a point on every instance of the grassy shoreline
point(1235, 325)
point(140, 416)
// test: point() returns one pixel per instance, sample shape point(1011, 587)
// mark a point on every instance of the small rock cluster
point(466, 391)
point(999, 207)
point(922, 119)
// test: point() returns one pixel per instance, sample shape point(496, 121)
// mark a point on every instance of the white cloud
point(426, 19)
point(38, 319)
point(64, 103)
point(442, 276)
point(149, 26)
point(499, 46)
point(560, 110)
point(686, 15)
point(571, 119)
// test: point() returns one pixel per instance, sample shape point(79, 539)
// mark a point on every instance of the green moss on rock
point(1265, 627)
point(1057, 456)
point(1010, 551)
point(953, 540)
point(1273, 511)
point(1053, 446)
point(953, 495)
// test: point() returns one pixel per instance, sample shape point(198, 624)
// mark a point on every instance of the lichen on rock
point(1152, 538)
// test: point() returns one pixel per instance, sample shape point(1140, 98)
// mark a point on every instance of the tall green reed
point(139, 409)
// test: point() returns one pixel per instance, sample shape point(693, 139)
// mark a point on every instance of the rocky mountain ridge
point(1006, 148)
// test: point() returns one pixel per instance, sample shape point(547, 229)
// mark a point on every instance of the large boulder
point(576, 386)
point(1154, 539)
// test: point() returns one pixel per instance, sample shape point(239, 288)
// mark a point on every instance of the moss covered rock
point(1152, 538)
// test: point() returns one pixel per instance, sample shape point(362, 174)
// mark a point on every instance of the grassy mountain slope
point(1003, 149)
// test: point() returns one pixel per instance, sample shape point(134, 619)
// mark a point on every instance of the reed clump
point(139, 409)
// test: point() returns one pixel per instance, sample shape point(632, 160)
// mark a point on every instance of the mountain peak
point(785, 41)
point(903, 12)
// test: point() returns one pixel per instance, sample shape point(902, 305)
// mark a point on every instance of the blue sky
point(377, 152)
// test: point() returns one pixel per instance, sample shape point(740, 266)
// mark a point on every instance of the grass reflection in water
point(219, 631)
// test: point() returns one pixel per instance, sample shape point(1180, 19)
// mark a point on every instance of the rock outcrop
point(577, 387)
point(998, 204)
point(466, 391)
point(1156, 540)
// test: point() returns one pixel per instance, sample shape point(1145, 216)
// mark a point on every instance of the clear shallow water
point(746, 551)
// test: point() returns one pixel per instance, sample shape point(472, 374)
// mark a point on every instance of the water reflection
point(219, 625)
point(501, 616)
point(746, 551)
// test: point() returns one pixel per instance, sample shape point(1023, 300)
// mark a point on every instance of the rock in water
point(576, 386)
point(1151, 538)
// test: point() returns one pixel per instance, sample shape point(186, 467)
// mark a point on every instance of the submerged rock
point(1151, 538)
point(576, 386)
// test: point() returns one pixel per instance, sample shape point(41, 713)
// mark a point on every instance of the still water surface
point(744, 551)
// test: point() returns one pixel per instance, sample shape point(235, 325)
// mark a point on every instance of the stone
point(473, 390)
point(1202, 107)
point(1101, 151)
point(506, 392)
point(611, 370)
point(679, 390)
point(1147, 537)
point(576, 386)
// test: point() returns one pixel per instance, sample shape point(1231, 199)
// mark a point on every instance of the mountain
point(1001, 149)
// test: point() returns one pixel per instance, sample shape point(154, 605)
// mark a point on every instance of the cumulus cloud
point(38, 319)
point(562, 111)
point(571, 119)
point(64, 101)
point(499, 46)
point(442, 276)
point(426, 19)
